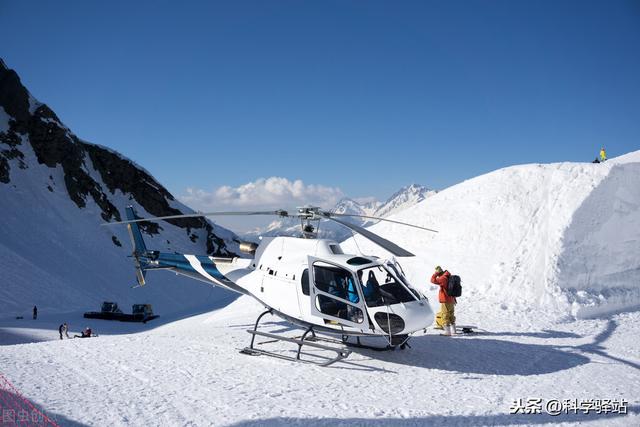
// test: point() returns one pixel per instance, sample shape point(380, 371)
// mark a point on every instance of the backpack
point(454, 286)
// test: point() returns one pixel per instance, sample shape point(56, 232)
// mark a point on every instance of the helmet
point(439, 269)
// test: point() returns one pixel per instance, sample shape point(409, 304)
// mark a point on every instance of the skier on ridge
point(603, 155)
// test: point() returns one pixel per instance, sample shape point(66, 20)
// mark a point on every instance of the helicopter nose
point(405, 318)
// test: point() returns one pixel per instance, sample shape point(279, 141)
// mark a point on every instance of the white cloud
point(269, 193)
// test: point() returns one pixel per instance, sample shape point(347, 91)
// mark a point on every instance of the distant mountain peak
point(404, 198)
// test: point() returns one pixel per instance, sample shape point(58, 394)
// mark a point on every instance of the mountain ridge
point(57, 190)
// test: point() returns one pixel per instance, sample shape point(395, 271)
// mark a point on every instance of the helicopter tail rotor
point(137, 242)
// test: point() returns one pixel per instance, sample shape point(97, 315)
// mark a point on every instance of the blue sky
point(358, 97)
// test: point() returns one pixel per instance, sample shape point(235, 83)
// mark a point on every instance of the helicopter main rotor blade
point(387, 220)
point(380, 241)
point(201, 214)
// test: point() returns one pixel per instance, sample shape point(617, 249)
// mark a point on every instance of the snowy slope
point(559, 238)
point(399, 201)
point(55, 192)
point(191, 373)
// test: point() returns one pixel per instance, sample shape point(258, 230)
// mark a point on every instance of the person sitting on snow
point(447, 303)
point(64, 329)
point(85, 334)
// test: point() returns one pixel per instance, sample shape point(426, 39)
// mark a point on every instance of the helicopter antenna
point(356, 242)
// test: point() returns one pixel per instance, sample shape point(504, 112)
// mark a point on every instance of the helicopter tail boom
point(137, 242)
point(197, 267)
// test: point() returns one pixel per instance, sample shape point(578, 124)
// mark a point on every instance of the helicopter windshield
point(383, 286)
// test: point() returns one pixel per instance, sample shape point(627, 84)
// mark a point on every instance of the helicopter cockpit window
point(342, 289)
point(399, 273)
point(380, 287)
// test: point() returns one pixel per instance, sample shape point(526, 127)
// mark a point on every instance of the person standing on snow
point(64, 329)
point(447, 303)
point(35, 312)
point(603, 155)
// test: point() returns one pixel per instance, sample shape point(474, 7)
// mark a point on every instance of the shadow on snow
point(457, 420)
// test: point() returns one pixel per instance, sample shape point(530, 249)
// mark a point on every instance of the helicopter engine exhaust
point(248, 247)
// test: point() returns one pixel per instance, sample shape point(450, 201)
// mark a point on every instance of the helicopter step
point(253, 351)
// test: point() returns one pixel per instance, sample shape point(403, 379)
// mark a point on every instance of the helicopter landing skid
point(341, 353)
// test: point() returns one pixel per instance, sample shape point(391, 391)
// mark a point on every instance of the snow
point(548, 257)
point(34, 104)
point(544, 240)
point(190, 372)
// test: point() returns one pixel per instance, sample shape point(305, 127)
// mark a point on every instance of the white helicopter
point(307, 281)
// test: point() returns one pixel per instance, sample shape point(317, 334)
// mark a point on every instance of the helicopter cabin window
point(380, 287)
point(342, 289)
point(305, 281)
point(358, 260)
point(332, 307)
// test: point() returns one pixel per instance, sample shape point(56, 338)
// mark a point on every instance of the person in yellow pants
point(603, 155)
point(447, 303)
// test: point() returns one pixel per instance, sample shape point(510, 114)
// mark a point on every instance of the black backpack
point(454, 286)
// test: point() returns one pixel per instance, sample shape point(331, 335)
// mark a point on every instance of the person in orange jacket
point(447, 303)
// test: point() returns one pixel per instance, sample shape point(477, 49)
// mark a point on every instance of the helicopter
point(307, 281)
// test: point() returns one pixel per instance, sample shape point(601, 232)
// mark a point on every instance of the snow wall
point(562, 239)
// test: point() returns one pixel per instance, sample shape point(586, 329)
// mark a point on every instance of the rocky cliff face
point(89, 172)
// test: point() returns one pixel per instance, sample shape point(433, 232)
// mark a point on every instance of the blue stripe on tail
point(139, 247)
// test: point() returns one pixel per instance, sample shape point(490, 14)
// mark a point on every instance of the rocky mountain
point(51, 179)
point(403, 199)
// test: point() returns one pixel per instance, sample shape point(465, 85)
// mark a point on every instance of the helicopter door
point(335, 295)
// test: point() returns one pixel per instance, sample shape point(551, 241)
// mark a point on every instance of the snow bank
point(559, 238)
